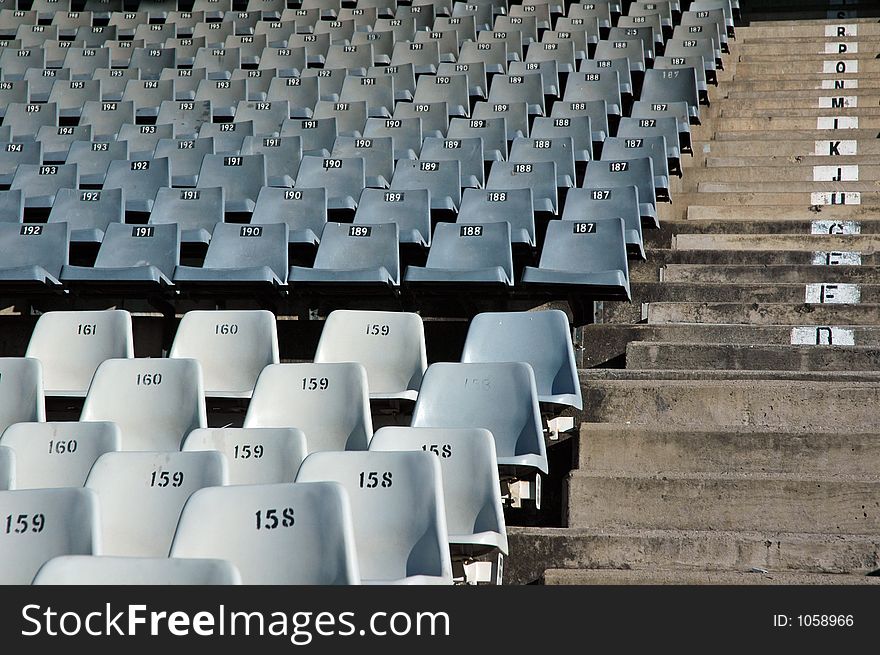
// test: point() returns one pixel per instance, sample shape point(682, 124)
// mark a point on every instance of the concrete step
point(804, 242)
point(709, 356)
point(606, 344)
point(775, 31)
point(810, 53)
point(680, 577)
point(804, 174)
point(788, 84)
point(824, 188)
point(799, 144)
point(803, 201)
point(658, 257)
point(744, 274)
point(597, 376)
point(747, 70)
point(735, 501)
point(792, 314)
point(698, 211)
point(731, 111)
point(532, 550)
point(650, 450)
point(865, 137)
point(784, 161)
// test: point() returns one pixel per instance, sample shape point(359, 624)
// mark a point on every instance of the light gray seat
point(398, 512)
point(500, 397)
point(405, 132)
point(282, 155)
point(653, 147)
point(274, 533)
point(596, 203)
point(424, 57)
point(467, 256)
point(57, 142)
point(241, 176)
point(630, 172)
point(390, 345)
point(330, 80)
point(673, 85)
point(84, 570)
point(468, 152)
point(377, 92)
point(240, 256)
point(254, 455)
point(548, 68)
point(404, 77)
point(14, 154)
point(155, 402)
point(41, 80)
point(637, 128)
point(52, 455)
point(141, 179)
point(187, 116)
point(69, 96)
point(34, 255)
point(645, 35)
point(344, 179)
point(528, 88)
point(138, 255)
point(142, 494)
point(185, 159)
point(303, 209)
point(267, 115)
point(258, 81)
point(107, 118)
point(218, 62)
point(478, 84)
point(410, 210)
point(515, 115)
point(15, 62)
point(195, 211)
point(148, 94)
point(143, 139)
point(7, 468)
point(228, 137)
point(587, 257)
point(88, 213)
point(21, 391)
point(441, 178)
point(40, 182)
point(539, 176)
point(559, 150)
point(434, 115)
point(643, 109)
point(451, 89)
point(224, 95)
point(540, 338)
point(231, 346)
point(595, 110)
point(11, 206)
point(493, 132)
point(576, 128)
point(72, 344)
point(377, 153)
point(617, 61)
point(300, 92)
point(513, 206)
point(328, 402)
point(355, 59)
point(586, 87)
point(350, 116)
point(47, 523)
point(317, 135)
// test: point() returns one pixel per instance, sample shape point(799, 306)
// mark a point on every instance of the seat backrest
point(397, 507)
point(354, 247)
point(540, 338)
point(328, 402)
point(242, 246)
point(471, 246)
point(88, 210)
point(42, 524)
point(83, 570)
point(51, 455)
point(259, 527)
point(636, 172)
point(139, 245)
point(72, 344)
point(30, 245)
point(586, 246)
point(141, 496)
point(21, 391)
point(390, 345)
point(7, 468)
point(231, 346)
point(155, 402)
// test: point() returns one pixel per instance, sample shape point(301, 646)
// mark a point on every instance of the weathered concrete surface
point(635, 449)
point(698, 211)
point(674, 577)
point(772, 123)
point(803, 242)
point(735, 501)
point(760, 174)
point(744, 274)
point(711, 356)
point(763, 314)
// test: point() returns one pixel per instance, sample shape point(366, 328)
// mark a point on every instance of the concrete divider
point(744, 274)
point(754, 313)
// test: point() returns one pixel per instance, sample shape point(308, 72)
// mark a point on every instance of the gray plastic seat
point(680, 111)
point(113, 81)
point(316, 135)
point(184, 158)
point(254, 455)
point(673, 85)
point(130, 255)
point(107, 118)
point(653, 147)
point(586, 87)
point(266, 116)
point(240, 255)
point(155, 402)
point(228, 137)
point(241, 176)
point(48, 523)
point(454, 90)
point(141, 495)
point(25, 120)
point(547, 69)
point(143, 139)
point(467, 255)
point(258, 81)
point(446, 40)
point(251, 47)
point(231, 346)
point(643, 34)
point(635, 172)
point(312, 520)
point(218, 62)
point(83, 62)
point(559, 150)
point(277, 32)
point(539, 176)
point(14, 154)
point(406, 134)
point(85, 570)
point(141, 180)
point(377, 92)
point(482, 13)
point(57, 142)
point(15, 62)
point(512, 40)
point(525, 23)
point(340, 33)
point(492, 131)
point(599, 10)
point(410, 210)
point(636, 128)
point(501, 397)
point(350, 116)
point(595, 110)
point(377, 155)
point(186, 81)
point(381, 41)
point(304, 210)
point(281, 154)
point(288, 62)
point(354, 255)
point(398, 512)
point(513, 206)
point(344, 179)
point(21, 392)
point(147, 95)
point(41, 80)
point(127, 22)
point(576, 128)
point(580, 32)
point(390, 346)
point(17, 91)
point(72, 344)
point(7, 468)
point(596, 203)
point(11, 206)
point(515, 114)
point(184, 51)
point(478, 85)
point(434, 115)
point(300, 92)
point(53, 455)
point(617, 61)
point(404, 79)
point(92, 36)
point(468, 152)
point(214, 9)
point(40, 183)
point(356, 59)
point(328, 402)
point(194, 211)
point(424, 57)
point(316, 46)
point(540, 338)
point(223, 95)
point(643, 20)
point(584, 257)
point(688, 52)
point(34, 254)
point(441, 178)
point(88, 213)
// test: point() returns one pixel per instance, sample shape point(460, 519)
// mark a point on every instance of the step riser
point(702, 274)
point(755, 314)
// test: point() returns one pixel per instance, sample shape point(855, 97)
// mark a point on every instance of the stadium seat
point(512, 41)
point(15, 62)
point(586, 87)
point(147, 95)
point(680, 111)
point(467, 256)
point(185, 159)
point(434, 115)
point(48, 523)
point(654, 148)
point(34, 255)
point(141, 496)
point(528, 88)
point(21, 391)
point(344, 179)
point(328, 402)
point(14, 154)
point(478, 85)
point(492, 54)
point(11, 206)
point(468, 152)
point(184, 51)
point(136, 255)
point(316, 135)
point(406, 134)
point(632, 172)
point(231, 346)
point(113, 81)
point(350, 116)
point(141, 179)
point(155, 402)
point(186, 116)
point(440, 178)
point(223, 95)
point(258, 527)
point(40, 183)
point(300, 92)
point(26, 119)
point(72, 344)
point(106, 118)
point(617, 61)
point(377, 92)
point(398, 513)
point(540, 338)
point(258, 81)
point(241, 176)
point(228, 137)
point(69, 96)
point(282, 156)
point(195, 211)
point(377, 154)
point(303, 209)
point(513, 206)
point(515, 115)
point(539, 176)
point(186, 81)
point(596, 203)
point(639, 128)
point(254, 455)
point(390, 346)
point(57, 142)
point(266, 116)
point(492, 131)
point(558, 150)
point(587, 257)
point(410, 210)
point(84, 570)
point(673, 85)
point(218, 62)
point(52, 455)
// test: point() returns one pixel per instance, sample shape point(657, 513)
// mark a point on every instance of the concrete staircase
point(741, 443)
